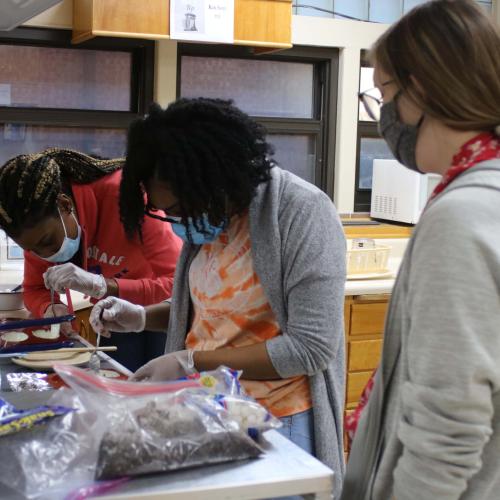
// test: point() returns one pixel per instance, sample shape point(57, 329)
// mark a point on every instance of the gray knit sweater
point(431, 429)
point(298, 251)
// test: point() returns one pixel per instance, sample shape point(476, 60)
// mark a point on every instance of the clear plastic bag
point(122, 429)
point(163, 426)
point(28, 381)
point(47, 461)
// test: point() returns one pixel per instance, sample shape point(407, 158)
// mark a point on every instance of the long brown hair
point(452, 49)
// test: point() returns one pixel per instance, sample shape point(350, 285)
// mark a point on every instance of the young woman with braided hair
point(259, 285)
point(61, 207)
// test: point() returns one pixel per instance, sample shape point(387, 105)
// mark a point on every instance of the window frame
point(365, 130)
point(142, 81)
point(323, 123)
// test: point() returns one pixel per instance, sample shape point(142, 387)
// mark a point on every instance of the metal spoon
point(95, 360)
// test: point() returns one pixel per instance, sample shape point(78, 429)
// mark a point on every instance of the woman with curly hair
point(259, 285)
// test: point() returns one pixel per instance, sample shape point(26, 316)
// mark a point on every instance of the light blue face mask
point(69, 246)
point(209, 233)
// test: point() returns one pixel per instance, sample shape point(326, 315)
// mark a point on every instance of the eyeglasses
point(371, 103)
point(152, 212)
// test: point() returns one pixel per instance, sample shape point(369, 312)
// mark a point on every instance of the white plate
point(51, 334)
point(14, 337)
point(45, 360)
point(109, 373)
point(371, 276)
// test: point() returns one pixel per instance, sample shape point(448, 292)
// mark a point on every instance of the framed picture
point(202, 20)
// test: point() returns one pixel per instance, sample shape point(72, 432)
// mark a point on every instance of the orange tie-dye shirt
point(231, 310)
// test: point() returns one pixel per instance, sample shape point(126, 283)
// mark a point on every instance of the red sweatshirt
point(144, 271)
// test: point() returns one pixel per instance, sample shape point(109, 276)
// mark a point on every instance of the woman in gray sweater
point(259, 285)
point(431, 429)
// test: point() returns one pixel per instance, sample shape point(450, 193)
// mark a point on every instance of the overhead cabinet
point(263, 23)
point(120, 18)
point(257, 23)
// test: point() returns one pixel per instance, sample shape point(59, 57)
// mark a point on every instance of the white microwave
point(398, 193)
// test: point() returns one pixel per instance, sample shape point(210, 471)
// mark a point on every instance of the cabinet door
point(356, 382)
point(364, 354)
point(368, 318)
point(121, 18)
point(263, 23)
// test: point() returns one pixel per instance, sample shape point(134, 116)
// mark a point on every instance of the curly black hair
point(31, 183)
point(209, 153)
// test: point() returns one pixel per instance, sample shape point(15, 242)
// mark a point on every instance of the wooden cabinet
point(121, 18)
point(263, 23)
point(367, 318)
point(364, 317)
point(363, 354)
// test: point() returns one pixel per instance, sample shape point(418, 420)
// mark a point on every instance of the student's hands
point(167, 367)
point(117, 315)
point(58, 278)
point(60, 310)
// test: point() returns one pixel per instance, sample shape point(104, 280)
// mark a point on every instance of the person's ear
point(65, 203)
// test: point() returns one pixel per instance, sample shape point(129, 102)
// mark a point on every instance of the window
point(11, 254)
point(289, 93)
point(380, 11)
point(80, 97)
point(369, 146)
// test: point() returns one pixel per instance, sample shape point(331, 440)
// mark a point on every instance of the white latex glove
point(117, 315)
point(167, 367)
point(58, 278)
point(60, 310)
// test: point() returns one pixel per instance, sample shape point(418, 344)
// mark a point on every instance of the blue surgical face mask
point(69, 246)
point(208, 234)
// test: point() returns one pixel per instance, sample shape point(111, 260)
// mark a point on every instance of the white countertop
point(284, 470)
point(369, 287)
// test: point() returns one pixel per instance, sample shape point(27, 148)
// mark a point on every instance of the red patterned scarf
point(482, 147)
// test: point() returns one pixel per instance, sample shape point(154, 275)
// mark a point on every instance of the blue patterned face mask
point(69, 246)
point(190, 234)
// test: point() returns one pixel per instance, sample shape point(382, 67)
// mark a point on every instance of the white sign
point(202, 20)
point(5, 94)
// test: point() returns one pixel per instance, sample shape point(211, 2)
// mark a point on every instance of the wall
point(59, 16)
point(350, 36)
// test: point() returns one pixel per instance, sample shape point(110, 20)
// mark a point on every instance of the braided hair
point(209, 153)
point(31, 183)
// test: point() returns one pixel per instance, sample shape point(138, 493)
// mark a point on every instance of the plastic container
point(368, 260)
point(9, 300)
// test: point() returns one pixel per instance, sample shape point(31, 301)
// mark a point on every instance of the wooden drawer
point(364, 354)
point(356, 382)
point(368, 319)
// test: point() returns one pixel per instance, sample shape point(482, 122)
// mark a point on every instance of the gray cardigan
point(431, 429)
point(298, 249)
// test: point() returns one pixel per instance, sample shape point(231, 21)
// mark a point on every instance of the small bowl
point(9, 300)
